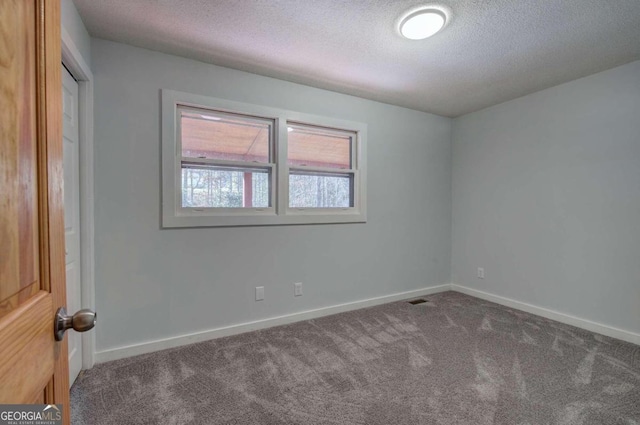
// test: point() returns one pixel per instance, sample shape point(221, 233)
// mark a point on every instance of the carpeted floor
point(454, 360)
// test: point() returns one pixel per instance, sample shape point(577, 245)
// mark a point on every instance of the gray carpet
point(454, 360)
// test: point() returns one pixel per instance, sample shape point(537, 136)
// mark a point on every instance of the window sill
point(262, 218)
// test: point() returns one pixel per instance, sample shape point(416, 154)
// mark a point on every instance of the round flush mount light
point(422, 23)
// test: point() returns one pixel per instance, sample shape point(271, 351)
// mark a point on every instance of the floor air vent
point(418, 301)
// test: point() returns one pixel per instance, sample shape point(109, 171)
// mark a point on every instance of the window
point(227, 163)
point(226, 160)
point(320, 167)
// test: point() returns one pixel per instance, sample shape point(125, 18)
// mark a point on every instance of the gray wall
point(73, 25)
point(546, 197)
point(153, 283)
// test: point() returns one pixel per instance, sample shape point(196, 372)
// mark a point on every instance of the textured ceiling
point(489, 52)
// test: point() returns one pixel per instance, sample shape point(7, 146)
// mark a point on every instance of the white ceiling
point(489, 52)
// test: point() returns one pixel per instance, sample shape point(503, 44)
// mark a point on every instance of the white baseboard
point(578, 322)
point(176, 341)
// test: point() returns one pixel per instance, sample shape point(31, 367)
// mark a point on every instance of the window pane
point(220, 188)
point(318, 147)
point(216, 135)
point(320, 191)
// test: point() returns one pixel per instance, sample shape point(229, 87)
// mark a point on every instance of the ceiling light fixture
point(422, 23)
point(210, 118)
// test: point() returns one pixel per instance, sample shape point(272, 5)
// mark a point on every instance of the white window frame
point(225, 163)
point(314, 170)
point(279, 213)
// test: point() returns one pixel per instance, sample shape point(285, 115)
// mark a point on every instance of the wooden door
point(33, 366)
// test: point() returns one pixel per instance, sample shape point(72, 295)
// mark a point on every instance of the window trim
point(174, 215)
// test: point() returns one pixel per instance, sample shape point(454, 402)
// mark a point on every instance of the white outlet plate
point(480, 273)
point(259, 293)
point(297, 289)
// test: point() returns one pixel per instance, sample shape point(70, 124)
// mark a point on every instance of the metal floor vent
point(418, 301)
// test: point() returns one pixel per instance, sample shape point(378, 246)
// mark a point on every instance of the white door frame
point(74, 62)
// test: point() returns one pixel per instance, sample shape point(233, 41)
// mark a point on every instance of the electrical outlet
point(259, 293)
point(480, 273)
point(297, 289)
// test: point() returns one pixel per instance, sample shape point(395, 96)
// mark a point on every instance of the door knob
point(82, 321)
